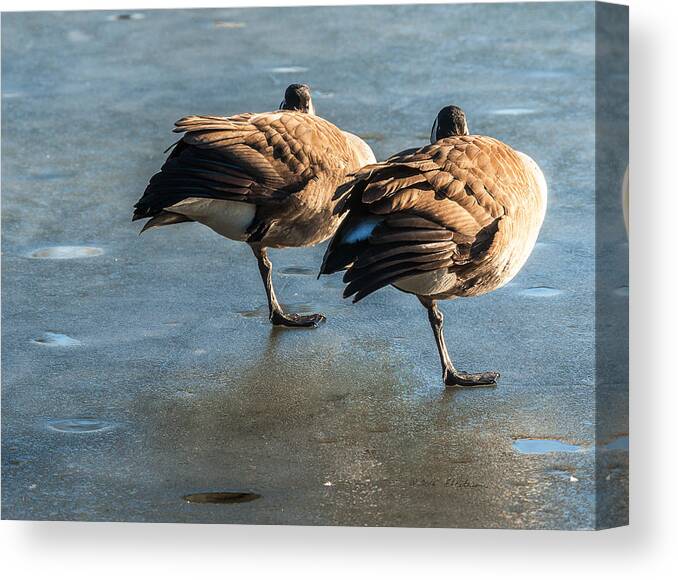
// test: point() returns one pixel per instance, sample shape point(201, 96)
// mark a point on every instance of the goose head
point(450, 122)
point(298, 98)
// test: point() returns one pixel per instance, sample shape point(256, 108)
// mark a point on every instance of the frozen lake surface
point(160, 392)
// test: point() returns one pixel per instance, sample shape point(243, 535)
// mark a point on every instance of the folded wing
point(436, 208)
point(254, 158)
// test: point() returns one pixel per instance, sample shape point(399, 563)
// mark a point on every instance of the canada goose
point(455, 218)
point(267, 179)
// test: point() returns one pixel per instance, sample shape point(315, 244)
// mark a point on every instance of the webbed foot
point(297, 320)
point(455, 378)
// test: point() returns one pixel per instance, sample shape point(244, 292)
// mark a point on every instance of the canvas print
point(360, 265)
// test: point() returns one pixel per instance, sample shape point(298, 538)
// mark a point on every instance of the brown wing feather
point(442, 205)
point(258, 158)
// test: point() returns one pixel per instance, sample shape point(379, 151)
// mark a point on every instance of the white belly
point(228, 218)
point(533, 168)
point(362, 150)
point(428, 283)
point(519, 246)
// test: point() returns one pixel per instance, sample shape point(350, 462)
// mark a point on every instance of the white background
point(646, 549)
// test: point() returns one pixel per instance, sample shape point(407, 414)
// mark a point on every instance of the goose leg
point(275, 312)
point(451, 376)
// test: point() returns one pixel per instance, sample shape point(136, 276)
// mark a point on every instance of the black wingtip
point(172, 146)
point(348, 292)
point(340, 257)
point(322, 266)
point(326, 260)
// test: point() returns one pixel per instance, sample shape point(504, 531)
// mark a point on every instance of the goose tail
point(164, 218)
point(348, 243)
